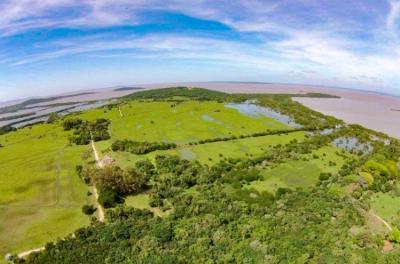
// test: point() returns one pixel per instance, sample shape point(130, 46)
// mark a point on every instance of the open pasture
point(211, 153)
point(181, 123)
point(40, 194)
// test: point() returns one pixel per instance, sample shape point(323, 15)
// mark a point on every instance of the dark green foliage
point(113, 178)
point(72, 124)
point(122, 213)
point(215, 227)
point(140, 148)
point(192, 93)
point(146, 168)
point(7, 129)
point(324, 176)
point(88, 209)
point(85, 131)
point(109, 198)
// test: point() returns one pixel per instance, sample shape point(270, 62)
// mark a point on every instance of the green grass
point(211, 153)
point(187, 121)
point(299, 173)
point(385, 205)
point(40, 194)
point(142, 201)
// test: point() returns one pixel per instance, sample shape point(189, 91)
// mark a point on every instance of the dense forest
point(212, 215)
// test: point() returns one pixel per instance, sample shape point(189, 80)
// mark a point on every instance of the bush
point(324, 176)
point(88, 209)
point(394, 235)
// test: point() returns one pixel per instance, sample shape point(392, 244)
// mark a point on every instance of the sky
point(53, 46)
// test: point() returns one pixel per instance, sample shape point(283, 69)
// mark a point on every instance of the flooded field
point(24, 112)
point(251, 109)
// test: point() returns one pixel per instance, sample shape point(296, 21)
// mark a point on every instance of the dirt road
point(100, 209)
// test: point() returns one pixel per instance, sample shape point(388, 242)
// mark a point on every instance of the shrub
point(367, 177)
point(394, 235)
point(88, 209)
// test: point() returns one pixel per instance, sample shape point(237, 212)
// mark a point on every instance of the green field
point(40, 195)
point(185, 122)
point(385, 205)
point(211, 153)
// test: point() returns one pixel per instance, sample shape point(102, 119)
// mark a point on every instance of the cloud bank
point(330, 42)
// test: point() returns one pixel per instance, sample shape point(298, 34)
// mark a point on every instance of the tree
point(109, 198)
point(53, 117)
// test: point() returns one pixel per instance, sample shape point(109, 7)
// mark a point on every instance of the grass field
point(40, 195)
point(299, 173)
point(185, 122)
point(385, 205)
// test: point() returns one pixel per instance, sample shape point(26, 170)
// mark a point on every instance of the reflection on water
point(251, 109)
point(352, 144)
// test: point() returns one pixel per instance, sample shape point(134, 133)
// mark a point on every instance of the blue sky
point(52, 46)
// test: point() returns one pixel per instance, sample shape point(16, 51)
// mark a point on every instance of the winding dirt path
point(100, 209)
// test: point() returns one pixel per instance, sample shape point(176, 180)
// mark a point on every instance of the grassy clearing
point(299, 173)
point(212, 153)
point(40, 195)
point(142, 201)
point(385, 205)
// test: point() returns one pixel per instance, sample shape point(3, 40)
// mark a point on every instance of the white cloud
point(393, 15)
point(325, 50)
